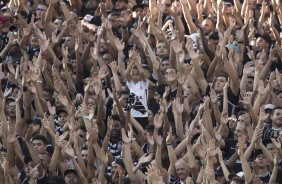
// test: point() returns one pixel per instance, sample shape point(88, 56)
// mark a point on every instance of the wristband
point(39, 81)
point(168, 144)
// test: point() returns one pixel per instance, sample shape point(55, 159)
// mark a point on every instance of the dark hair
point(213, 35)
point(83, 128)
point(40, 137)
point(116, 117)
point(223, 74)
point(160, 89)
point(84, 147)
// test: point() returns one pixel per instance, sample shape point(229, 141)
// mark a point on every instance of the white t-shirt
point(140, 90)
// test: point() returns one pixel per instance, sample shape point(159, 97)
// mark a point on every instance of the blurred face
point(41, 8)
point(84, 154)
point(232, 122)
point(108, 58)
point(71, 178)
point(208, 26)
point(277, 118)
point(47, 96)
point(280, 98)
point(62, 118)
point(58, 23)
point(161, 50)
point(113, 19)
point(261, 44)
point(135, 75)
point(182, 169)
point(219, 84)
point(170, 75)
point(36, 127)
point(271, 148)
point(239, 131)
point(70, 42)
point(12, 109)
point(116, 130)
point(213, 44)
point(250, 84)
point(45, 160)
point(150, 116)
point(116, 168)
point(39, 146)
point(121, 5)
point(91, 103)
point(227, 8)
point(261, 160)
point(157, 97)
point(27, 168)
point(34, 41)
point(15, 92)
point(103, 47)
point(167, 4)
point(166, 64)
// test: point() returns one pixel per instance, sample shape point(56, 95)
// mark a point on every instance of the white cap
point(269, 106)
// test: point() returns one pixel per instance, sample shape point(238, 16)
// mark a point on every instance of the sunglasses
point(40, 9)
point(167, 5)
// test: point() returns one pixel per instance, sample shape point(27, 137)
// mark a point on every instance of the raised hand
point(126, 139)
point(34, 173)
point(145, 158)
point(119, 44)
point(176, 46)
point(246, 99)
point(113, 66)
point(103, 72)
point(153, 174)
point(69, 151)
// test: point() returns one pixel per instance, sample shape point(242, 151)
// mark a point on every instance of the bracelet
point(168, 144)
point(39, 81)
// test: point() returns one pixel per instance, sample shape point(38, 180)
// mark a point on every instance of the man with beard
point(70, 176)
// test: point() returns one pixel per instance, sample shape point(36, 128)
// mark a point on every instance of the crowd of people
point(131, 91)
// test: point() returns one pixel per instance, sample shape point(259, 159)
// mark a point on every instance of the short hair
point(214, 36)
point(115, 117)
point(160, 89)
point(223, 74)
point(84, 147)
point(40, 137)
point(165, 59)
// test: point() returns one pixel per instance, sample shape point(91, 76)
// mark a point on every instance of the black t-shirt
point(233, 101)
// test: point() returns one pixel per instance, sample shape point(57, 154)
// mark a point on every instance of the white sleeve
point(145, 84)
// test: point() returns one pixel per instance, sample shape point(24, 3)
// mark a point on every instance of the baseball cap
point(269, 106)
point(70, 170)
point(264, 36)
